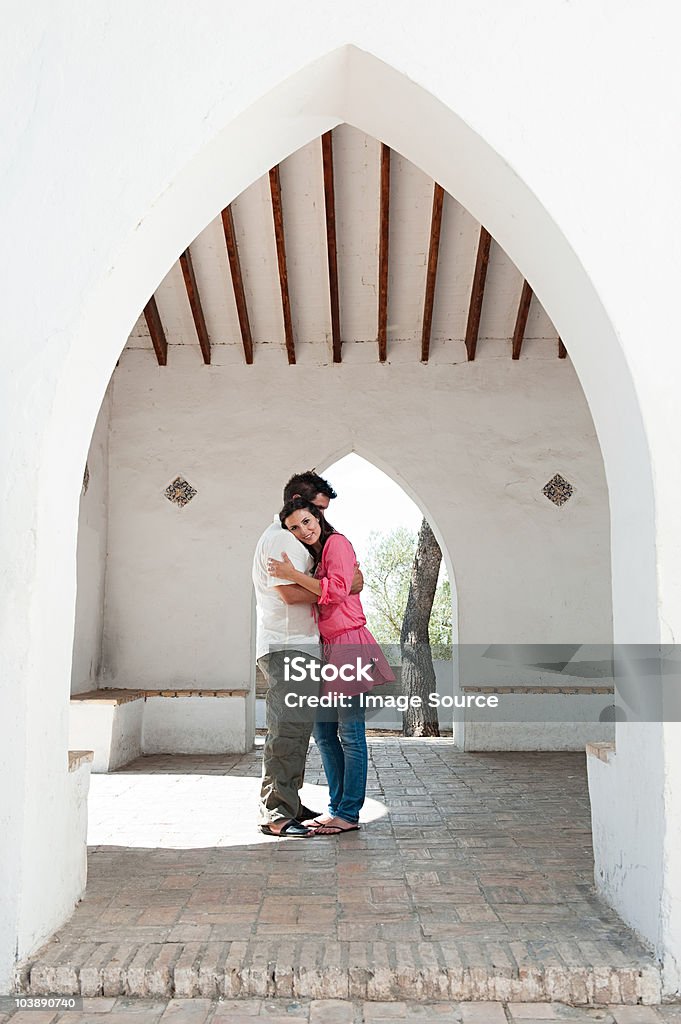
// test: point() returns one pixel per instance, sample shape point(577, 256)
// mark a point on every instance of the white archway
point(349, 85)
point(346, 85)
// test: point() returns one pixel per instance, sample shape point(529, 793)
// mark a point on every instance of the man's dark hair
point(308, 486)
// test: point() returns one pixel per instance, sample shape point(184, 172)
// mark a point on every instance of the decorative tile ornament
point(558, 490)
point(86, 478)
point(180, 492)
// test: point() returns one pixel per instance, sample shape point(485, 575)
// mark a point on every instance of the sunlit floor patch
point(166, 810)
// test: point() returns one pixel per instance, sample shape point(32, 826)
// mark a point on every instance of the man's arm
point(290, 592)
point(293, 594)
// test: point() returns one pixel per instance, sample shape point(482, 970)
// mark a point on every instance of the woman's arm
point(286, 570)
point(340, 566)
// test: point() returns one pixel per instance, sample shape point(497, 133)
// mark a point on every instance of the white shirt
point(279, 623)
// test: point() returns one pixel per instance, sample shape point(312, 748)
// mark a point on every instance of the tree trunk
point(418, 674)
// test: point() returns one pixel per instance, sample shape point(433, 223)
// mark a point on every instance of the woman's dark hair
point(299, 504)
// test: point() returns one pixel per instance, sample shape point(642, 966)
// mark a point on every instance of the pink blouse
point(338, 609)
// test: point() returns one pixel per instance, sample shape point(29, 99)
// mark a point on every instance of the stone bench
point(539, 718)
point(121, 724)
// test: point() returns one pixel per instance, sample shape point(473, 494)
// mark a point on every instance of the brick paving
point(471, 879)
point(127, 1010)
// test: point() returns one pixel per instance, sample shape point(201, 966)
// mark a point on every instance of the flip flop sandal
point(293, 829)
point(334, 830)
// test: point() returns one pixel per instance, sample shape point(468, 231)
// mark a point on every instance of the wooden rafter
point(158, 335)
point(330, 206)
point(278, 216)
point(237, 282)
point(562, 351)
point(521, 320)
point(195, 303)
point(431, 275)
point(383, 254)
point(477, 293)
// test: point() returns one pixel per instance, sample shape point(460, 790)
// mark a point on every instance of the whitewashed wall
point(93, 518)
point(472, 443)
point(122, 146)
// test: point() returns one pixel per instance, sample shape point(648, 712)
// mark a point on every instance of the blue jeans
point(343, 747)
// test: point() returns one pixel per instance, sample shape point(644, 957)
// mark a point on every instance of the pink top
point(338, 609)
point(342, 625)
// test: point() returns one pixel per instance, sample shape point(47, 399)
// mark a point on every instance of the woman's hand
point(284, 570)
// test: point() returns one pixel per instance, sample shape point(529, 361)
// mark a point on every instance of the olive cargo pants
point(287, 740)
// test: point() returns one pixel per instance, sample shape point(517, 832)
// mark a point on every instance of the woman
point(348, 644)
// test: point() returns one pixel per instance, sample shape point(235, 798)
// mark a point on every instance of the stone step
point(326, 970)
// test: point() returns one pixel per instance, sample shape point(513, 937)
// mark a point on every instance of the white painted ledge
point(80, 757)
point(603, 751)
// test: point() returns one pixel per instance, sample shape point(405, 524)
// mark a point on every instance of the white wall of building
point(93, 521)
point(473, 443)
point(121, 146)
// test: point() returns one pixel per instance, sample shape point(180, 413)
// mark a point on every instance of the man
point(286, 626)
point(310, 486)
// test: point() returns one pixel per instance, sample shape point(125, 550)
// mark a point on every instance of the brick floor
point(126, 1010)
point(471, 879)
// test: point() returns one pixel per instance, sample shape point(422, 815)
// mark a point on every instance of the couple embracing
point(307, 585)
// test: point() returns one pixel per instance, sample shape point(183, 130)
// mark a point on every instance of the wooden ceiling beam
point(562, 351)
point(237, 283)
point(521, 320)
point(195, 304)
point(278, 217)
point(331, 248)
point(158, 335)
point(383, 254)
point(431, 273)
point(477, 293)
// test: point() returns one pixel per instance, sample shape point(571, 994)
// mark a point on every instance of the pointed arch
point(344, 85)
point(365, 452)
point(350, 85)
point(347, 85)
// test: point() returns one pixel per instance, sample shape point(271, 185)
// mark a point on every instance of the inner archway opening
point(383, 524)
point(342, 302)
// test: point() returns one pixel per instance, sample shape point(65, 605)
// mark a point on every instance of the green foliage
point(387, 572)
